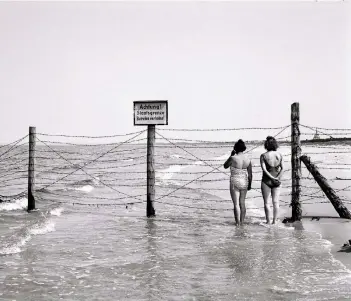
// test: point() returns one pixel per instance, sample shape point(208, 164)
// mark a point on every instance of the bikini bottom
point(270, 183)
point(239, 181)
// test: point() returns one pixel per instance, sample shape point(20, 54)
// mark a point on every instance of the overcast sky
point(76, 68)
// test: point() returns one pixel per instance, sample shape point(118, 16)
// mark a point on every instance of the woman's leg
point(266, 192)
point(242, 205)
point(235, 197)
point(275, 200)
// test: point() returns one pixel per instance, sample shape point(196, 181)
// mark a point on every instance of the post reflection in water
point(153, 273)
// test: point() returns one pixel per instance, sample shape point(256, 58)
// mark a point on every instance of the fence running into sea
point(119, 165)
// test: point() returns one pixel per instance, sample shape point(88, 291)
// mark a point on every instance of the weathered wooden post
point(329, 192)
point(150, 113)
point(150, 194)
point(295, 162)
point(31, 168)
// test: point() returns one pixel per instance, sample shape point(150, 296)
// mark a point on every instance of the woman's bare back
point(240, 161)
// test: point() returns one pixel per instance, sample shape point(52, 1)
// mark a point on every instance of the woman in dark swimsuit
point(272, 167)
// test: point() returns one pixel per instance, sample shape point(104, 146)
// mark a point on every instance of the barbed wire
point(14, 155)
point(14, 163)
point(92, 145)
point(275, 136)
point(14, 172)
point(79, 153)
point(14, 185)
point(13, 179)
point(9, 198)
point(11, 148)
point(98, 161)
point(329, 152)
point(320, 128)
point(93, 204)
point(92, 161)
point(337, 168)
point(338, 164)
point(331, 137)
point(210, 209)
point(104, 183)
point(90, 137)
point(87, 197)
point(324, 134)
point(98, 179)
point(216, 130)
point(331, 146)
point(16, 141)
point(213, 169)
point(62, 152)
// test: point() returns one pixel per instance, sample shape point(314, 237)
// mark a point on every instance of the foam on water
point(86, 188)
point(166, 174)
point(16, 205)
point(48, 226)
point(22, 239)
point(328, 245)
point(15, 247)
point(57, 211)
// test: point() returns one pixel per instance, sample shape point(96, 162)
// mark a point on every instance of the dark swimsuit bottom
point(267, 180)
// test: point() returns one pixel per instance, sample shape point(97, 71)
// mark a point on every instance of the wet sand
point(336, 230)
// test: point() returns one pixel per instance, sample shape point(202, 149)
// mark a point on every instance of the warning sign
point(151, 112)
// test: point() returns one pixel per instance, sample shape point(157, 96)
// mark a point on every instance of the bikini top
point(271, 168)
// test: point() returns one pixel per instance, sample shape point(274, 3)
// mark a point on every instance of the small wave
point(127, 160)
point(14, 248)
point(44, 228)
point(175, 156)
point(84, 185)
point(86, 188)
point(72, 166)
point(57, 211)
point(94, 181)
point(44, 190)
point(223, 157)
point(278, 289)
point(37, 229)
point(18, 204)
point(166, 174)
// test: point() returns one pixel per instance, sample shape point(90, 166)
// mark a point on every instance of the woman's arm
point(263, 166)
point(228, 162)
point(249, 171)
point(280, 174)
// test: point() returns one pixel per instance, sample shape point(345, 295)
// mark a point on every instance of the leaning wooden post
point(150, 211)
point(31, 168)
point(295, 162)
point(329, 192)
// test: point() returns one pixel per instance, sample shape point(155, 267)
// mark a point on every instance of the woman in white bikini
point(272, 167)
point(240, 179)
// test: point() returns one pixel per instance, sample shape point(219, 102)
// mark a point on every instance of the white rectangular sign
point(151, 112)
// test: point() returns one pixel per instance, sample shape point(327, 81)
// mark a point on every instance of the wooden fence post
point(150, 211)
point(31, 168)
point(329, 192)
point(295, 162)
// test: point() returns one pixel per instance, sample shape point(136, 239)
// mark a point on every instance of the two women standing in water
point(241, 178)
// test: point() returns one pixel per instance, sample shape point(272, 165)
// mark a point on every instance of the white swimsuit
point(239, 178)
